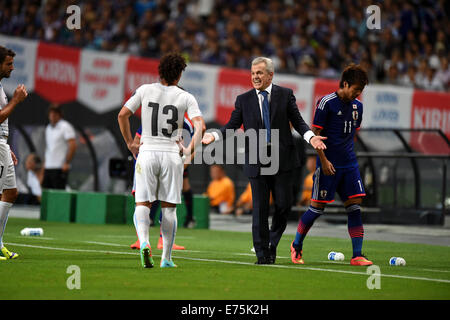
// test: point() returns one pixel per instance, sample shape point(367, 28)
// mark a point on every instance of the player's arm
point(70, 153)
point(186, 163)
point(19, 95)
point(300, 125)
point(327, 166)
point(199, 130)
point(124, 124)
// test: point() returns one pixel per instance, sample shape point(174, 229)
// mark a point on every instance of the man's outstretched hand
point(208, 138)
point(317, 142)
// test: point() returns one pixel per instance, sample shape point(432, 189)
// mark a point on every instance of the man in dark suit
point(272, 108)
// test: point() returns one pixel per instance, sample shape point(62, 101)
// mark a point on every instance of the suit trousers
point(265, 240)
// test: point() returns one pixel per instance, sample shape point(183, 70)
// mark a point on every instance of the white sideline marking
point(106, 244)
point(238, 262)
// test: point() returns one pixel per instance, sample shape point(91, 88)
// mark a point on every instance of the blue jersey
point(339, 121)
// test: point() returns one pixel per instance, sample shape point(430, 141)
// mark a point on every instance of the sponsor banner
point(139, 71)
point(57, 72)
point(24, 63)
point(303, 92)
point(322, 87)
point(102, 76)
point(230, 83)
point(430, 110)
point(387, 107)
point(200, 80)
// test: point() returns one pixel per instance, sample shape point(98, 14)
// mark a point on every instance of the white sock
point(168, 230)
point(4, 209)
point(141, 220)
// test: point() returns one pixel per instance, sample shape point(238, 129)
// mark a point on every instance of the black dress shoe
point(271, 259)
point(262, 260)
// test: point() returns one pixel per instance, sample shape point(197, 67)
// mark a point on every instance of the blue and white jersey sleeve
point(320, 115)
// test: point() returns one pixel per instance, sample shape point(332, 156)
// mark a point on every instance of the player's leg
point(9, 196)
point(160, 241)
point(351, 192)
point(7, 200)
point(168, 232)
point(144, 196)
point(169, 193)
point(142, 224)
point(322, 193)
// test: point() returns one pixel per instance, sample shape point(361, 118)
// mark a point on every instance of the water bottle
point(336, 256)
point(397, 261)
point(32, 232)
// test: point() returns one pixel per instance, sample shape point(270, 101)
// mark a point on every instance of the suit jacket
point(283, 110)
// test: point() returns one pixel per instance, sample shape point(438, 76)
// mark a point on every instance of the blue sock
point(305, 223)
point(355, 228)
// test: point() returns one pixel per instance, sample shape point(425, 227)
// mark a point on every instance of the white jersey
point(4, 130)
point(162, 114)
point(56, 143)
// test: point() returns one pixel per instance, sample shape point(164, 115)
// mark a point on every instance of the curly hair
point(171, 66)
point(354, 74)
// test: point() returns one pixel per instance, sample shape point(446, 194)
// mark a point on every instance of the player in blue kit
point(338, 116)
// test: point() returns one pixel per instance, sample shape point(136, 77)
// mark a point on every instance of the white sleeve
point(69, 131)
point(135, 101)
point(308, 135)
point(192, 107)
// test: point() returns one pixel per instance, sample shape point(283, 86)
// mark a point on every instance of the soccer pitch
point(217, 265)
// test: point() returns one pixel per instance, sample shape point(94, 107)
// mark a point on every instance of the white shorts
point(159, 176)
point(7, 171)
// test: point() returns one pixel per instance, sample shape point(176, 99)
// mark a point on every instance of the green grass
point(218, 265)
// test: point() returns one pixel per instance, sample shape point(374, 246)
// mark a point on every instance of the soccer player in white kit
point(159, 164)
point(8, 186)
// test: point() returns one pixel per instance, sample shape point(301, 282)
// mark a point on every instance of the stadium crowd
point(308, 37)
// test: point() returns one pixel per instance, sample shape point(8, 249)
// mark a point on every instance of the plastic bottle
point(32, 232)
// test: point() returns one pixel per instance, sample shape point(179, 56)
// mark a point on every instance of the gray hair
point(268, 62)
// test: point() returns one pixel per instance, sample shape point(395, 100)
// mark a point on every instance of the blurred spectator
point(59, 150)
point(220, 190)
point(35, 175)
point(308, 181)
point(244, 205)
point(310, 37)
point(409, 79)
point(393, 77)
point(31, 192)
point(431, 81)
point(443, 74)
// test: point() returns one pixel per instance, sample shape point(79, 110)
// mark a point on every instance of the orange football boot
point(296, 257)
point(360, 261)
point(174, 247)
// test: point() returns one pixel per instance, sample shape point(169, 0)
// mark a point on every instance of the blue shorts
point(346, 182)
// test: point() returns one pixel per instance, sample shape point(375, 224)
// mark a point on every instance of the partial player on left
point(7, 158)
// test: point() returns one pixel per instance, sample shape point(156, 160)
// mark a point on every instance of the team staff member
point(59, 151)
point(271, 107)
